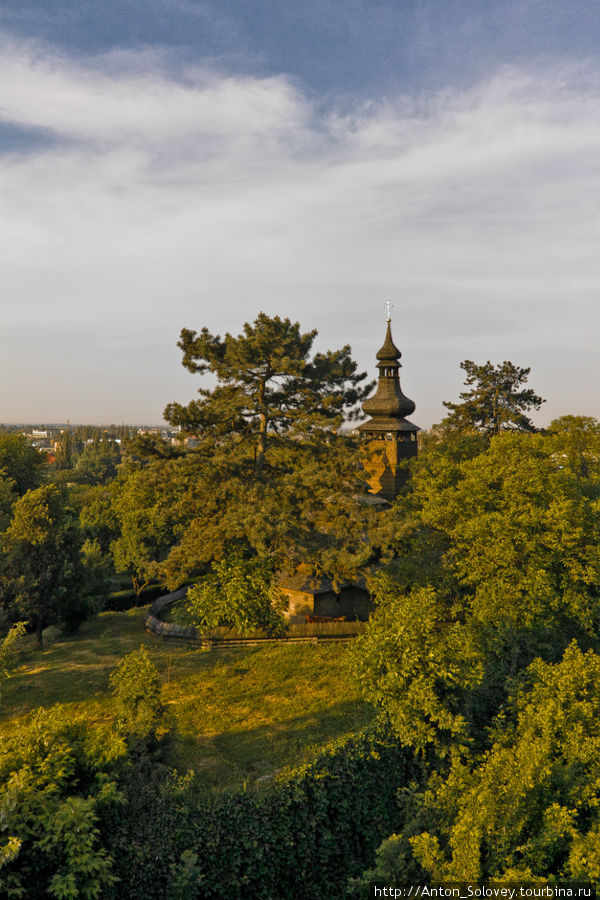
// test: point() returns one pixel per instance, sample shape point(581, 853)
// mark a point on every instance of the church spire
point(393, 437)
point(388, 403)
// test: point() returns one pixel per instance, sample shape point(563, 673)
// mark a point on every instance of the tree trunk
point(138, 585)
point(496, 413)
point(261, 444)
point(39, 633)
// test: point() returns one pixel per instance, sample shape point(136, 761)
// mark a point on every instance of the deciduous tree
point(504, 548)
point(240, 593)
point(57, 780)
point(7, 653)
point(529, 808)
point(22, 463)
point(145, 509)
point(7, 500)
point(65, 451)
point(98, 462)
point(43, 577)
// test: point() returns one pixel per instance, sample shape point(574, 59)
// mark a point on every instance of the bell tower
point(392, 438)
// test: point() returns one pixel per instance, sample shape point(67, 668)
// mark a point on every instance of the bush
point(137, 691)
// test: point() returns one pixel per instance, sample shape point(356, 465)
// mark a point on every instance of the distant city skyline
point(198, 162)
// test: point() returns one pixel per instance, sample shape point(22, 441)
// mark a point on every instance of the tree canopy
point(482, 655)
point(42, 573)
point(238, 593)
point(98, 462)
point(57, 781)
point(497, 400)
point(270, 472)
point(268, 384)
point(498, 563)
point(25, 466)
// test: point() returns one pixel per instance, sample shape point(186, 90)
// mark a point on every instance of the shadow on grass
point(245, 755)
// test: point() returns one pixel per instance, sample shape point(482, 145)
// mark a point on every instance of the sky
point(178, 163)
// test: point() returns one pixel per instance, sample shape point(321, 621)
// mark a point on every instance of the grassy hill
point(237, 714)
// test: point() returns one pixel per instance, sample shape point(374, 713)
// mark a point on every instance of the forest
point(480, 662)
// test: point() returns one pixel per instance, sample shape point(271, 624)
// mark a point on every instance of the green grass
point(237, 713)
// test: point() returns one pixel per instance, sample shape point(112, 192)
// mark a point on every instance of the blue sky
point(174, 163)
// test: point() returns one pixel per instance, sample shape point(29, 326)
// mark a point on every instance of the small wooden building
point(309, 596)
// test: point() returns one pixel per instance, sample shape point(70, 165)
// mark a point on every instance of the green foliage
point(177, 516)
point(303, 509)
point(506, 543)
point(519, 520)
point(529, 807)
point(394, 865)
point(142, 449)
point(577, 439)
point(297, 837)
point(271, 474)
point(55, 784)
point(240, 593)
point(237, 713)
point(7, 653)
point(185, 878)
point(97, 569)
point(136, 689)
point(7, 499)
point(98, 462)
point(128, 598)
point(145, 508)
point(496, 402)
point(25, 466)
point(42, 571)
point(499, 572)
point(416, 665)
point(267, 384)
point(65, 451)
point(97, 515)
point(248, 712)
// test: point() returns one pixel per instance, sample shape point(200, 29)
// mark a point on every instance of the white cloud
point(141, 107)
point(167, 203)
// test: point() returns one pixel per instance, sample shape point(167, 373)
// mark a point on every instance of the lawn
point(236, 714)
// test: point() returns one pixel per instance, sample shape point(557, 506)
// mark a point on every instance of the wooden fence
point(171, 631)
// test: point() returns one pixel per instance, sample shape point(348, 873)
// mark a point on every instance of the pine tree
point(496, 402)
point(270, 473)
point(269, 387)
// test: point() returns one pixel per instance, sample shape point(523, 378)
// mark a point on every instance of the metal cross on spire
point(388, 308)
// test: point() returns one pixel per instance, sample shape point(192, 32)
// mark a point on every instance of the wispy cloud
point(162, 202)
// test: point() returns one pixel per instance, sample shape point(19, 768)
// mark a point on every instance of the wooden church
point(392, 440)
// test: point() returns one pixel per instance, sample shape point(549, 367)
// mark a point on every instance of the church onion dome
point(388, 402)
point(389, 352)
